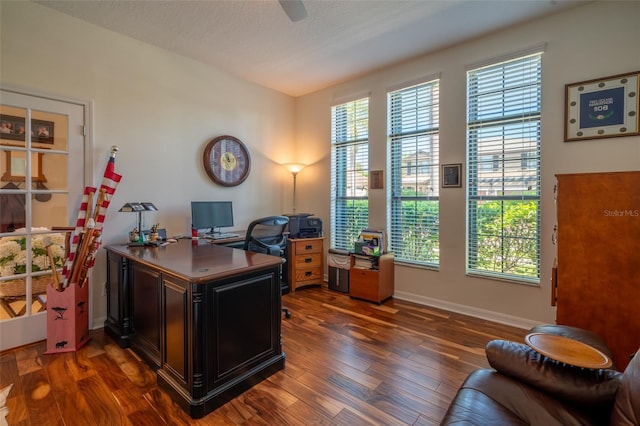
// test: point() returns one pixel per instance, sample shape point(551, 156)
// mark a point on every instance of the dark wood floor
point(348, 362)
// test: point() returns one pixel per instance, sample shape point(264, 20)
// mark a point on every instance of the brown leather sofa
point(526, 388)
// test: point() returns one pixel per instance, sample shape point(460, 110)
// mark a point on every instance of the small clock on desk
point(227, 161)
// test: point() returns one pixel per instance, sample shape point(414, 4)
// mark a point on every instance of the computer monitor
point(210, 215)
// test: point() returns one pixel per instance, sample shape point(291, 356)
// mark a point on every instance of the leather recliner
point(527, 388)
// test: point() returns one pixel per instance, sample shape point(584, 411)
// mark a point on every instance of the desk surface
point(197, 260)
point(567, 350)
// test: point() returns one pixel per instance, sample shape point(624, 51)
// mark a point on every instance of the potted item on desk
point(153, 236)
point(157, 237)
point(136, 238)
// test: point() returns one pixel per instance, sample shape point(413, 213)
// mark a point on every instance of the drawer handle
point(308, 247)
point(307, 274)
point(308, 260)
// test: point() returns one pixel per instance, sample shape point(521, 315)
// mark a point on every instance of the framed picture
point(375, 179)
point(16, 167)
point(451, 175)
point(13, 128)
point(602, 108)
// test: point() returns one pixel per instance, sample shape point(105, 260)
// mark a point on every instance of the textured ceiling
point(338, 40)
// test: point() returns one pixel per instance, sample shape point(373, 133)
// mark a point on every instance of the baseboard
point(98, 323)
point(518, 322)
point(510, 320)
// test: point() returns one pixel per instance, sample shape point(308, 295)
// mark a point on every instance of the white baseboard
point(98, 323)
point(518, 322)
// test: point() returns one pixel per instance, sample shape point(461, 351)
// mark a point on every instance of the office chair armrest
point(272, 249)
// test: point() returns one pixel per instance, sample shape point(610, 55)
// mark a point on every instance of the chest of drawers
point(306, 262)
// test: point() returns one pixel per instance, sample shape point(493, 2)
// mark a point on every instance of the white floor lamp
point(294, 168)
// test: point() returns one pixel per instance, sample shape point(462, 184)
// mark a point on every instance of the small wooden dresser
point(306, 262)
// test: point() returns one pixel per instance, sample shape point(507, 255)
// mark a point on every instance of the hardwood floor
point(349, 362)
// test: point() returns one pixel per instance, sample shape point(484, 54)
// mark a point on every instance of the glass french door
point(42, 176)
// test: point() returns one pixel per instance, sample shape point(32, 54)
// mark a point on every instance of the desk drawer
point(310, 274)
point(363, 284)
point(313, 246)
point(308, 260)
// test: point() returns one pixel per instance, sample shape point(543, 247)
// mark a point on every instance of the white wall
point(160, 109)
point(591, 41)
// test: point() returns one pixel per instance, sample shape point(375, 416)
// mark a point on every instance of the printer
point(304, 225)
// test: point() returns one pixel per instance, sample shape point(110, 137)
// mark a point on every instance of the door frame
point(15, 331)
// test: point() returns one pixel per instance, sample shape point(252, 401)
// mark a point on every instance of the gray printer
point(303, 225)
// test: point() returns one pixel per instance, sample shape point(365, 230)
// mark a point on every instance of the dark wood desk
point(238, 242)
point(206, 317)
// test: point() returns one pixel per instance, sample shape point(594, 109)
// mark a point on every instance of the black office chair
point(267, 235)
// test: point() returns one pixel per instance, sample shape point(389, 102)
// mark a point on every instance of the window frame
point(413, 117)
point(505, 119)
point(349, 134)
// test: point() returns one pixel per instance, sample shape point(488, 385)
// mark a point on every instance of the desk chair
point(266, 235)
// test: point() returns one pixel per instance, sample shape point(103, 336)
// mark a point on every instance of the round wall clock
point(227, 161)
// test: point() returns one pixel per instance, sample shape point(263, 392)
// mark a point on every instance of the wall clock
point(227, 161)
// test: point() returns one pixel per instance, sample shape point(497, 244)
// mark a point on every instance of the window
point(413, 126)
point(349, 172)
point(503, 200)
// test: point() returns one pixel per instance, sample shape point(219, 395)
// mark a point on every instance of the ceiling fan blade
point(294, 9)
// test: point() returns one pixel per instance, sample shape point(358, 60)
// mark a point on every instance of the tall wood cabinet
point(598, 263)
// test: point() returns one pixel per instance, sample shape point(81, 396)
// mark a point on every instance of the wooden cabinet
point(306, 262)
point(146, 308)
point(118, 322)
point(598, 265)
point(374, 283)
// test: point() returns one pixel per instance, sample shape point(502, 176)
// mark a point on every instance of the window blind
point(413, 130)
point(503, 180)
point(349, 172)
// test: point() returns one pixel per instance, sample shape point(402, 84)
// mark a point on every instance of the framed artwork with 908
point(602, 108)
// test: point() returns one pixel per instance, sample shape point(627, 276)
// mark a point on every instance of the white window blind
point(413, 127)
point(349, 172)
point(503, 181)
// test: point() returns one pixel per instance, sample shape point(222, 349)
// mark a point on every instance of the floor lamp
point(294, 168)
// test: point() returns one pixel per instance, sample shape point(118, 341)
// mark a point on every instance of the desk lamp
point(138, 208)
point(294, 168)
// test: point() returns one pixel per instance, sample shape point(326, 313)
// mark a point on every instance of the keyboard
point(223, 236)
